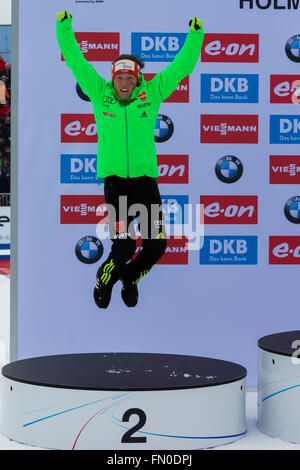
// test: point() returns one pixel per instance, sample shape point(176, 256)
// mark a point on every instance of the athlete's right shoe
point(104, 285)
point(102, 294)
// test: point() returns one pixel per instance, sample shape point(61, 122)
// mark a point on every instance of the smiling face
point(124, 83)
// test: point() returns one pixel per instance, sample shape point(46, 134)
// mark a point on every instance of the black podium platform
point(124, 371)
point(280, 343)
point(124, 401)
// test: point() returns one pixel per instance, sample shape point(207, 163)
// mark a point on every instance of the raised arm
point(89, 80)
point(165, 82)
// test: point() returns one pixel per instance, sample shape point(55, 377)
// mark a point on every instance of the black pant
point(129, 200)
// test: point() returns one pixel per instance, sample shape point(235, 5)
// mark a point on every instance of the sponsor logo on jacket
point(284, 249)
point(157, 47)
point(173, 169)
point(229, 250)
point(234, 129)
point(99, 47)
point(285, 129)
point(230, 209)
point(284, 169)
point(285, 89)
point(229, 88)
point(230, 47)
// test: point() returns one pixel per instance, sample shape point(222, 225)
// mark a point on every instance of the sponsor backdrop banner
point(226, 138)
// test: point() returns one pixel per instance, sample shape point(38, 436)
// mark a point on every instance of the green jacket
point(126, 145)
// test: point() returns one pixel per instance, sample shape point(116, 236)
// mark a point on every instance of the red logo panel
point(173, 169)
point(218, 47)
point(99, 47)
point(284, 169)
point(284, 250)
point(176, 251)
point(78, 128)
point(230, 209)
point(83, 210)
point(180, 95)
point(285, 89)
point(231, 129)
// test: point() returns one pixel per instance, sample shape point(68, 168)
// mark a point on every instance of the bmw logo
point(89, 250)
point(292, 210)
point(229, 169)
point(164, 128)
point(81, 94)
point(292, 48)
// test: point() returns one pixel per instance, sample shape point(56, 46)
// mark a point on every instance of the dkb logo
point(156, 47)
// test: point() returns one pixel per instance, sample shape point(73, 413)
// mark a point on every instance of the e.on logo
point(229, 209)
point(285, 89)
point(284, 250)
point(173, 169)
point(79, 128)
point(224, 47)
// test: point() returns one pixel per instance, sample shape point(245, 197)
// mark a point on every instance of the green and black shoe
point(129, 293)
point(102, 294)
point(104, 285)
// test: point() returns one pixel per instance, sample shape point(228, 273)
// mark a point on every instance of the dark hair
point(131, 57)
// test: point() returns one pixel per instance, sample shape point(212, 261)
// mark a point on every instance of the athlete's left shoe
point(129, 293)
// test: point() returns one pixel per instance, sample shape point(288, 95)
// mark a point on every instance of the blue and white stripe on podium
point(4, 251)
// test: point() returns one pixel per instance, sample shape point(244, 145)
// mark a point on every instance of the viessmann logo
point(82, 209)
point(99, 47)
point(285, 89)
point(230, 209)
point(224, 47)
point(180, 94)
point(232, 129)
point(284, 169)
point(284, 250)
point(78, 128)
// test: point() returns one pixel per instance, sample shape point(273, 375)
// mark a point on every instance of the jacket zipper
point(126, 127)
